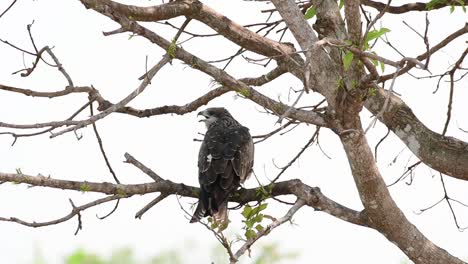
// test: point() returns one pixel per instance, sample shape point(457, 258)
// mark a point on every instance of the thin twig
point(158, 199)
point(130, 159)
point(299, 203)
point(111, 212)
point(311, 140)
point(8, 8)
point(75, 211)
point(385, 105)
point(101, 147)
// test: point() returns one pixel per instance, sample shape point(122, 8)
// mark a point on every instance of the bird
point(225, 161)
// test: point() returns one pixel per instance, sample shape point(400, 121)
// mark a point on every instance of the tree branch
point(219, 75)
point(312, 195)
point(75, 211)
point(418, 6)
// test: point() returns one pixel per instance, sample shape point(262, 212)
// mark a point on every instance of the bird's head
point(213, 114)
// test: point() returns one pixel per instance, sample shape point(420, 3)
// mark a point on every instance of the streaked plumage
point(225, 161)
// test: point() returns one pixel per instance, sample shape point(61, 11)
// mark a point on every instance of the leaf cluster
point(253, 219)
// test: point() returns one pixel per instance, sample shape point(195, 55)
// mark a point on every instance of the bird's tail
point(199, 213)
point(221, 216)
point(202, 207)
point(208, 205)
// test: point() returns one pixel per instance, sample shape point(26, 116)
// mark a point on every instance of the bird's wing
point(243, 158)
point(227, 152)
point(210, 159)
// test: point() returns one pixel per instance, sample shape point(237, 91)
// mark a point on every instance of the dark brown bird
point(225, 161)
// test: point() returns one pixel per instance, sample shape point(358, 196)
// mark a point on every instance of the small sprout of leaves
point(244, 92)
point(339, 83)
point(372, 91)
point(121, 192)
point(433, 3)
point(347, 59)
point(18, 171)
point(85, 187)
point(262, 193)
point(171, 50)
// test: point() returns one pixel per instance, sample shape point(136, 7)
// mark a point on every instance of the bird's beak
point(203, 114)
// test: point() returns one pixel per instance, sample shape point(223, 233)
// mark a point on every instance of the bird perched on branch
point(225, 161)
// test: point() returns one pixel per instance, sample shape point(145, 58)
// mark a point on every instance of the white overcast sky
point(165, 143)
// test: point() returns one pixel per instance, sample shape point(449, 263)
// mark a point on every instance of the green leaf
point(249, 234)
point(259, 228)
point(246, 212)
point(262, 207)
point(258, 218)
point(374, 34)
point(462, 4)
point(249, 224)
point(382, 66)
point(341, 4)
point(433, 3)
point(258, 209)
point(348, 57)
point(452, 8)
point(310, 13)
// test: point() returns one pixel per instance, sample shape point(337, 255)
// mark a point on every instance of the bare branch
point(79, 124)
point(68, 90)
point(308, 144)
point(8, 8)
point(140, 213)
point(426, 54)
point(130, 159)
point(75, 211)
point(202, 100)
point(312, 195)
point(101, 147)
point(219, 75)
point(111, 212)
point(16, 136)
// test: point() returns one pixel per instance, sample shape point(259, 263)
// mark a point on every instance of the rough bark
point(442, 153)
point(382, 212)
